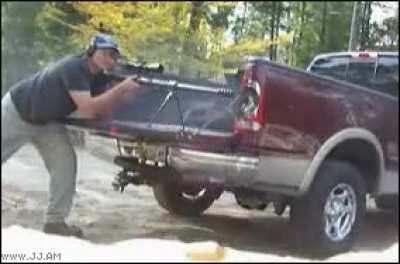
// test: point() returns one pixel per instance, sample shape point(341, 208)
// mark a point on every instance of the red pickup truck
point(291, 138)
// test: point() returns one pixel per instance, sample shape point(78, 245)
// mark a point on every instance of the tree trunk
point(189, 47)
point(362, 17)
point(369, 13)
point(297, 47)
point(299, 36)
point(354, 27)
point(244, 17)
point(296, 8)
point(195, 16)
point(323, 26)
point(289, 55)
point(303, 8)
point(365, 19)
point(277, 24)
point(272, 32)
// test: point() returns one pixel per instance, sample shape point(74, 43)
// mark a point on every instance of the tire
point(185, 201)
point(387, 202)
point(309, 214)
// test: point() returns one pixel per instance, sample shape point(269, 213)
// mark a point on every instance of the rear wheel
point(328, 218)
point(187, 200)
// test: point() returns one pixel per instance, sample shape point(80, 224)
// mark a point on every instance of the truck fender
point(331, 143)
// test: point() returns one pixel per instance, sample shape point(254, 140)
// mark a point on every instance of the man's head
point(103, 52)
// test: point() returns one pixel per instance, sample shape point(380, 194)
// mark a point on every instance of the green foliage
point(336, 25)
point(188, 37)
point(386, 36)
point(56, 26)
point(18, 34)
point(179, 34)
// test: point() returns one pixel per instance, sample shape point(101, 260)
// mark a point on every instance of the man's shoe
point(62, 229)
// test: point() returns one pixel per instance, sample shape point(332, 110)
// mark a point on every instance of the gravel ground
point(108, 216)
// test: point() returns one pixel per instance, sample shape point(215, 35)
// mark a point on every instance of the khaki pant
point(55, 148)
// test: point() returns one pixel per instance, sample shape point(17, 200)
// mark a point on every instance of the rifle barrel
point(177, 85)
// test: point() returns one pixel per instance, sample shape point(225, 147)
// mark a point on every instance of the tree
point(56, 28)
point(365, 18)
point(384, 36)
point(187, 36)
point(18, 35)
point(240, 21)
point(321, 27)
point(182, 35)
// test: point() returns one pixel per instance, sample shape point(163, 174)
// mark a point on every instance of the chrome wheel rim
point(340, 212)
point(192, 196)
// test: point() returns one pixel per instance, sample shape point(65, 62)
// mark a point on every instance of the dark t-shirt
point(44, 97)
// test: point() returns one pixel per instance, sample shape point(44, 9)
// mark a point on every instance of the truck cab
point(378, 71)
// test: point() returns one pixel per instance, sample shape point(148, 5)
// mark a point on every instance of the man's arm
point(100, 106)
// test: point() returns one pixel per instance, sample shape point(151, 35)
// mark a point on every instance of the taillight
point(364, 54)
point(250, 114)
point(248, 76)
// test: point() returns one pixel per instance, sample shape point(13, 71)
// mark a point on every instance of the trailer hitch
point(125, 177)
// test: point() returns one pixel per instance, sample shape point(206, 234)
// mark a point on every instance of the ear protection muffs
point(91, 48)
point(101, 41)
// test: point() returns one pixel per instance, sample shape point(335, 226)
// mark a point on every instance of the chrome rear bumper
point(275, 173)
point(221, 168)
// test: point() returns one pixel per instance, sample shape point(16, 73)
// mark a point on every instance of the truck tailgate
point(170, 134)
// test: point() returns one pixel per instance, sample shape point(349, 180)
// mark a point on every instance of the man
point(33, 108)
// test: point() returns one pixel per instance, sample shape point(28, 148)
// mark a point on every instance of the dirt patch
point(107, 216)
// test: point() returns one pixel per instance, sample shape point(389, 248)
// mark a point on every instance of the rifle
point(153, 75)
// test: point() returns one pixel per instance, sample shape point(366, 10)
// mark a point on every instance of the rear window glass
point(387, 76)
point(334, 67)
point(382, 77)
point(361, 71)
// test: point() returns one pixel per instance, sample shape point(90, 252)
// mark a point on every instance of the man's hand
point(131, 89)
point(131, 85)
